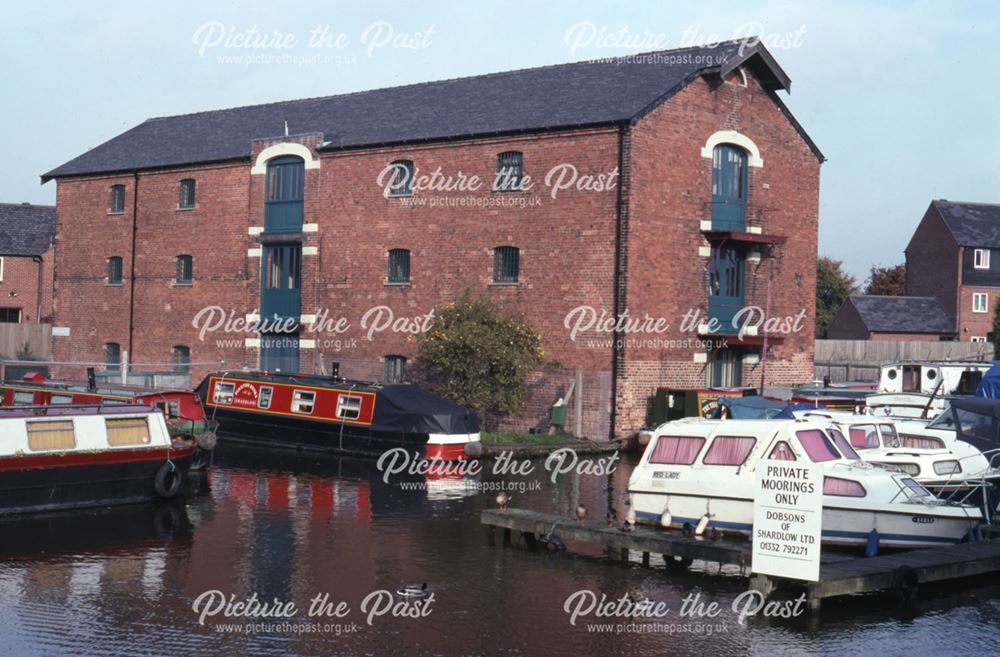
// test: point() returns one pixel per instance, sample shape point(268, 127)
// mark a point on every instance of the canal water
point(148, 580)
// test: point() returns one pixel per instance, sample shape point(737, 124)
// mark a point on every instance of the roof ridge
point(26, 205)
point(944, 200)
point(593, 60)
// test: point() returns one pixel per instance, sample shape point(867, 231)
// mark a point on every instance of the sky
point(901, 97)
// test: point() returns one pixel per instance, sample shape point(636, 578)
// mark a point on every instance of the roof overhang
point(756, 58)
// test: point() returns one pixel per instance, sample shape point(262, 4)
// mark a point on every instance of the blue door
point(729, 188)
point(725, 294)
point(283, 195)
point(281, 281)
point(727, 368)
point(279, 352)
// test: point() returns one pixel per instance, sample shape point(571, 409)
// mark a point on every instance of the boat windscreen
point(945, 420)
point(915, 488)
point(817, 446)
point(845, 447)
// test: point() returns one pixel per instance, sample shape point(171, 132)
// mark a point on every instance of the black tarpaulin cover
point(409, 409)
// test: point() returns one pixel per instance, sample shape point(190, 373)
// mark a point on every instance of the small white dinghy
point(696, 468)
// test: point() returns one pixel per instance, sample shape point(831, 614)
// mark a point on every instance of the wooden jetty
point(840, 573)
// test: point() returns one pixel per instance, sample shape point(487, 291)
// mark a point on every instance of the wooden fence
point(26, 339)
point(859, 360)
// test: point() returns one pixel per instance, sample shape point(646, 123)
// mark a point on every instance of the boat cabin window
point(782, 452)
point(889, 437)
point(817, 446)
point(843, 446)
point(348, 407)
point(676, 450)
point(863, 436)
point(223, 392)
point(913, 487)
point(61, 399)
point(921, 442)
point(169, 409)
point(911, 378)
point(945, 420)
point(48, 435)
point(264, 400)
point(127, 431)
point(729, 450)
point(843, 487)
point(968, 382)
point(24, 397)
point(303, 401)
point(975, 424)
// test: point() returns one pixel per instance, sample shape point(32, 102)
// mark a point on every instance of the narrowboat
point(696, 468)
point(332, 414)
point(182, 409)
point(70, 456)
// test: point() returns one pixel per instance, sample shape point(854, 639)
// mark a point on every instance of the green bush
point(479, 354)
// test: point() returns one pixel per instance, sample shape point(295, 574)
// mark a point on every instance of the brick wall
point(933, 263)
point(23, 286)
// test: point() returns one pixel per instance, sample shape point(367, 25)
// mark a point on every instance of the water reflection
point(122, 581)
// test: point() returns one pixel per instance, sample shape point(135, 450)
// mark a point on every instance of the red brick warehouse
point(674, 186)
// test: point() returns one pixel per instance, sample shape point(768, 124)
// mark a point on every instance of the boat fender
point(552, 543)
point(630, 516)
point(702, 525)
point(207, 440)
point(473, 450)
point(168, 480)
point(666, 519)
point(871, 548)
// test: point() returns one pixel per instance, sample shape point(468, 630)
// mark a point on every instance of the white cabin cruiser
point(917, 389)
point(696, 467)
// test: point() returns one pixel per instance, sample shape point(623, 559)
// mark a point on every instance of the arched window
point(112, 356)
point(395, 368)
point(506, 264)
point(729, 187)
point(399, 266)
point(401, 178)
point(510, 171)
point(115, 270)
point(185, 270)
point(116, 203)
point(182, 359)
point(186, 197)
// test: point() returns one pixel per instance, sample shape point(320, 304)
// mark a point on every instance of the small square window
point(401, 178)
point(186, 194)
point(185, 270)
point(224, 392)
point(116, 204)
point(348, 407)
point(399, 266)
point(264, 401)
point(395, 369)
point(978, 338)
point(980, 302)
point(506, 264)
point(510, 171)
point(981, 259)
point(303, 401)
point(114, 270)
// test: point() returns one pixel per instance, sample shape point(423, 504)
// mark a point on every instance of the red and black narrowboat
point(67, 457)
point(182, 409)
point(315, 412)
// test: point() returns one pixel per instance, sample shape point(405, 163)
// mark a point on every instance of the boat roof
point(69, 410)
point(316, 380)
point(698, 426)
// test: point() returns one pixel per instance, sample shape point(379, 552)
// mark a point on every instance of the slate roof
point(26, 229)
point(883, 314)
point(591, 93)
point(972, 224)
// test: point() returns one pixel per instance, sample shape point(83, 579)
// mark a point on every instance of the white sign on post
point(788, 519)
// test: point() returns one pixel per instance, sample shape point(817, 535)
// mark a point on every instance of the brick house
point(872, 317)
point(666, 191)
point(26, 261)
point(951, 257)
